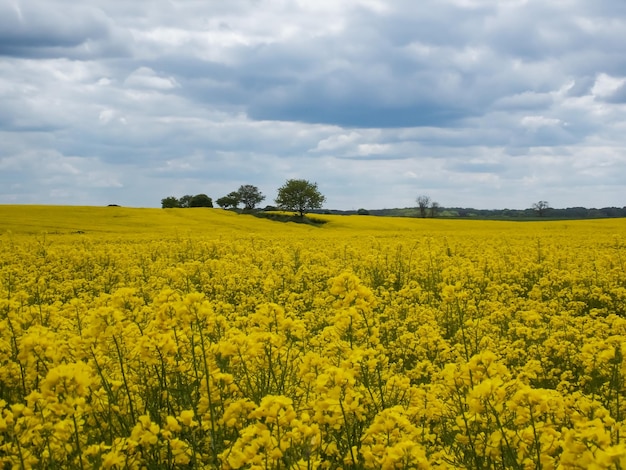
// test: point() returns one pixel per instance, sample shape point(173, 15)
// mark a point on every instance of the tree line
point(296, 195)
point(199, 200)
point(538, 210)
point(301, 196)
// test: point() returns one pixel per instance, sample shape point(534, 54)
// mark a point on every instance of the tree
point(250, 196)
point(299, 196)
point(170, 202)
point(434, 208)
point(230, 200)
point(185, 201)
point(541, 207)
point(422, 203)
point(201, 200)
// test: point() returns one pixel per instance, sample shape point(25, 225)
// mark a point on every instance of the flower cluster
point(423, 344)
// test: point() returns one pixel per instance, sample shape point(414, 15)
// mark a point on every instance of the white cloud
point(145, 77)
point(336, 142)
point(106, 116)
point(373, 149)
point(605, 85)
point(539, 121)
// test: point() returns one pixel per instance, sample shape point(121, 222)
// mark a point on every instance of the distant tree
point(170, 202)
point(249, 196)
point(299, 196)
point(612, 212)
point(185, 201)
point(434, 208)
point(541, 207)
point(423, 202)
point(363, 212)
point(201, 200)
point(231, 200)
point(223, 202)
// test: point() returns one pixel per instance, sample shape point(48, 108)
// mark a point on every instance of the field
point(199, 338)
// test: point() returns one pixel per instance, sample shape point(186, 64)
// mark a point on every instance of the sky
point(488, 104)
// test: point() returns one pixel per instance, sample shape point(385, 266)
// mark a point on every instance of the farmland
point(201, 338)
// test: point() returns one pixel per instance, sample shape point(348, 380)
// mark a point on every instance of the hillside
point(201, 222)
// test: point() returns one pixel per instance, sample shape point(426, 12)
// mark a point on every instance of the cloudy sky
point(476, 103)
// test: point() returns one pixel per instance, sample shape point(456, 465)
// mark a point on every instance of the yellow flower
point(186, 417)
point(172, 424)
point(113, 459)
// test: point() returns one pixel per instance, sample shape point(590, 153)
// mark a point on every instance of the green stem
point(207, 377)
point(130, 399)
point(348, 437)
point(78, 449)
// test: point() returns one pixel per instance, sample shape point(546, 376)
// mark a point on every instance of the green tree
point(250, 196)
point(201, 200)
point(170, 202)
point(185, 201)
point(299, 196)
point(230, 200)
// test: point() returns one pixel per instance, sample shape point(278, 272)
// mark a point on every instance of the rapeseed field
point(199, 338)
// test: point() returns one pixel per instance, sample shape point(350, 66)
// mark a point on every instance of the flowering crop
point(367, 343)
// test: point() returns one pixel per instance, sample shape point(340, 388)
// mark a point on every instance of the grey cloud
point(421, 97)
point(30, 25)
point(525, 101)
point(433, 23)
point(435, 88)
point(619, 95)
point(322, 108)
point(324, 81)
point(42, 24)
point(581, 86)
point(57, 29)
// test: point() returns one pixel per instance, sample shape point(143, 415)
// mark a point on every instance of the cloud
point(145, 77)
point(39, 29)
point(477, 102)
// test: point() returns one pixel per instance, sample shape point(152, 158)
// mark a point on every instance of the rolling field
point(200, 338)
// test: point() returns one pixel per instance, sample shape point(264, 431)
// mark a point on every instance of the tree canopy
point(249, 196)
point(230, 201)
point(199, 200)
point(185, 201)
point(300, 196)
point(170, 202)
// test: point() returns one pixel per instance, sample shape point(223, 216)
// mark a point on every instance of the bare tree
point(434, 208)
point(423, 202)
point(541, 207)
